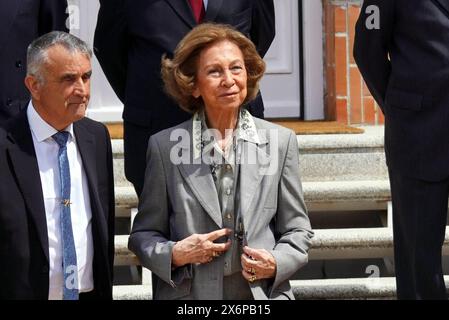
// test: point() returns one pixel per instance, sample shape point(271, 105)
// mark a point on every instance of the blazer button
point(45, 269)
point(18, 64)
point(9, 102)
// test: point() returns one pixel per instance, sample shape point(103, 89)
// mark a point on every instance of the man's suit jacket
point(22, 21)
point(132, 35)
point(405, 63)
point(185, 202)
point(24, 267)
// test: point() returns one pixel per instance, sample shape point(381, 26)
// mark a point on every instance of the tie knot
point(61, 138)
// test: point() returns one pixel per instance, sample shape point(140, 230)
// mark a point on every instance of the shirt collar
point(246, 130)
point(40, 129)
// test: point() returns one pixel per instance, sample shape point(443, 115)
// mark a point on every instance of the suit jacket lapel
point(198, 176)
point(254, 164)
point(183, 9)
point(443, 5)
point(87, 147)
point(8, 13)
point(26, 169)
point(213, 7)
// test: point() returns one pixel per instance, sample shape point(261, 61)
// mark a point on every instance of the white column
point(313, 59)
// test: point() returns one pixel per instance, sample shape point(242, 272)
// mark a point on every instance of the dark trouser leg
point(135, 141)
point(419, 224)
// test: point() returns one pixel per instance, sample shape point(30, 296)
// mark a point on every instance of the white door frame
point(313, 58)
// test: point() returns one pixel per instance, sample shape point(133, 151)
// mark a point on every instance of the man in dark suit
point(22, 21)
point(402, 50)
point(130, 39)
point(56, 191)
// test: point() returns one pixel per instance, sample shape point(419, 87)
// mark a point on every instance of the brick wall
point(347, 98)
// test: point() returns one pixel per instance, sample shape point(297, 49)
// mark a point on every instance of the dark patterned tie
point(198, 9)
point(69, 265)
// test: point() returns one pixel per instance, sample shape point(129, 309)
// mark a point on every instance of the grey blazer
point(179, 200)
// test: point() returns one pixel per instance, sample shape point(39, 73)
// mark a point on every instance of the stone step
point(347, 195)
point(329, 157)
point(343, 157)
point(318, 289)
point(348, 288)
point(132, 292)
point(327, 244)
point(319, 196)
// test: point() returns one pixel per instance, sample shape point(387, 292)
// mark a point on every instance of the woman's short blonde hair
point(179, 73)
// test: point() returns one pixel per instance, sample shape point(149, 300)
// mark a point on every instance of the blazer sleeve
point(292, 225)
point(262, 26)
point(371, 45)
point(111, 44)
point(53, 15)
point(149, 238)
point(111, 201)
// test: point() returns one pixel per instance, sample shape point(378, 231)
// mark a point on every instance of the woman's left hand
point(257, 264)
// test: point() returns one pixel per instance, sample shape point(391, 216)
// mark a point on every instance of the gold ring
point(252, 270)
point(252, 278)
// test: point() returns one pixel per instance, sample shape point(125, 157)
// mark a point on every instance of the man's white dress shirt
point(47, 158)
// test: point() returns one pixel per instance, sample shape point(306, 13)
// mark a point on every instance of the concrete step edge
point(372, 138)
point(323, 191)
point(317, 289)
point(327, 244)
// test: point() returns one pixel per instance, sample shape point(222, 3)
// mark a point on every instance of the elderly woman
point(222, 214)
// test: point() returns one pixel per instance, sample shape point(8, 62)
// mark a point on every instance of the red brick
point(330, 93)
point(340, 19)
point(340, 67)
point(353, 14)
point(341, 111)
point(356, 96)
point(330, 50)
point(329, 19)
point(338, 51)
point(369, 110)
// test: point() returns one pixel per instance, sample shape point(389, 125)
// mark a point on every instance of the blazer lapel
point(8, 13)
point(198, 176)
point(87, 147)
point(443, 5)
point(213, 7)
point(183, 9)
point(254, 164)
point(26, 169)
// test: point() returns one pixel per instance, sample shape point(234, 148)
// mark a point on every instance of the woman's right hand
point(199, 248)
